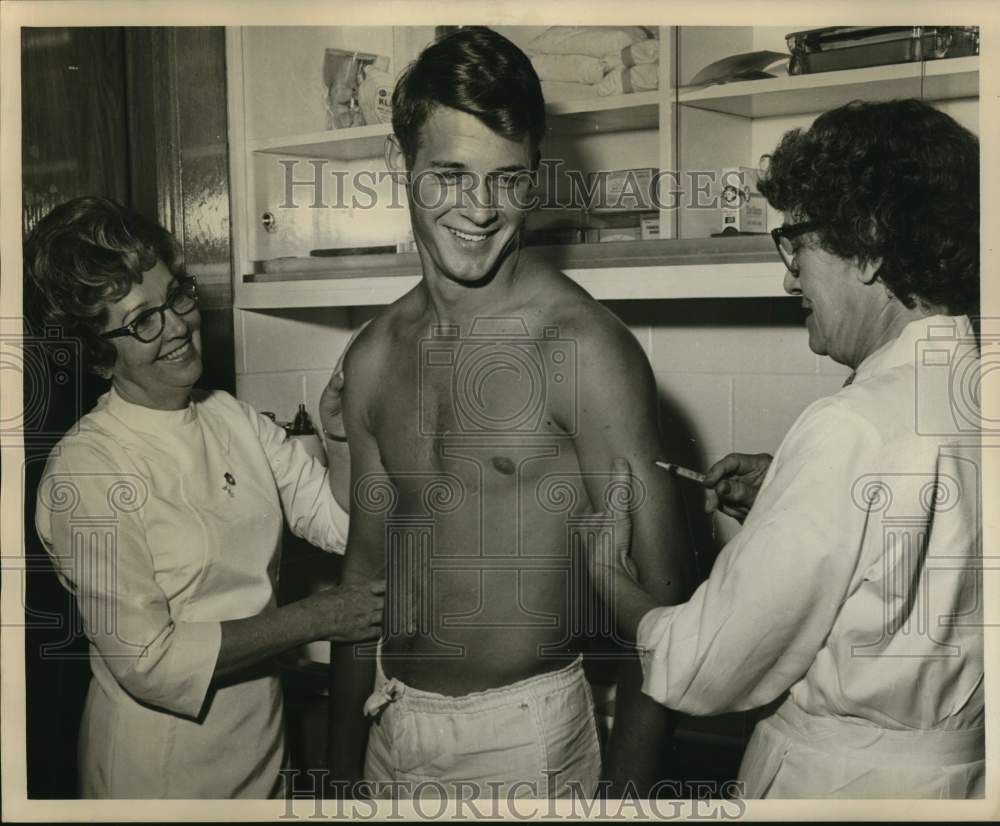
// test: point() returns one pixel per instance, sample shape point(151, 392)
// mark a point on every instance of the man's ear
point(868, 272)
point(394, 157)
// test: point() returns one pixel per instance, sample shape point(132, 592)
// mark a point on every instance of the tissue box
point(743, 209)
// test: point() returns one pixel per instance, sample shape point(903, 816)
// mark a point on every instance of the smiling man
point(483, 410)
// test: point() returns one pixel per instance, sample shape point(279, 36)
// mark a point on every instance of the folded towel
point(625, 80)
point(594, 41)
point(570, 68)
point(638, 54)
point(554, 90)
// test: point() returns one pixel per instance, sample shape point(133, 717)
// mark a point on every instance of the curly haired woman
point(851, 600)
point(162, 512)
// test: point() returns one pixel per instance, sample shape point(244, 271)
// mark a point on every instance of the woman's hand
point(330, 402)
point(338, 452)
point(331, 406)
point(344, 613)
point(613, 572)
point(732, 483)
point(350, 613)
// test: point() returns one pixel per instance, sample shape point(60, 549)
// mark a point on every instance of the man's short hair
point(477, 71)
point(896, 181)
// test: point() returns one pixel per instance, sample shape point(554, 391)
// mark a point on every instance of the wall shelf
point(619, 113)
point(742, 267)
point(612, 114)
point(335, 144)
point(946, 79)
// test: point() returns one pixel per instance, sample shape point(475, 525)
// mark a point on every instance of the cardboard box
point(621, 190)
point(742, 208)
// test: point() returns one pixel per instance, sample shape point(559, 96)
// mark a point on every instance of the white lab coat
point(853, 589)
point(164, 524)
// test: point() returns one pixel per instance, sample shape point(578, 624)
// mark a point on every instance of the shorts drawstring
point(388, 692)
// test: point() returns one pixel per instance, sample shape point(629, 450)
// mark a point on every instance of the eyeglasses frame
point(129, 329)
point(791, 231)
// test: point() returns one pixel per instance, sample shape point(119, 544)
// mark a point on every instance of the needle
point(683, 472)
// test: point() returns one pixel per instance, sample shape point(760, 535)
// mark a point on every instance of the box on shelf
point(743, 209)
point(619, 234)
point(649, 227)
point(622, 190)
point(358, 88)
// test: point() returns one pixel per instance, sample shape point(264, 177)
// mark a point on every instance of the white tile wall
point(291, 339)
point(696, 412)
point(766, 406)
point(764, 336)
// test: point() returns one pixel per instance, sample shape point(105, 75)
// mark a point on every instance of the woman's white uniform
point(853, 592)
point(164, 524)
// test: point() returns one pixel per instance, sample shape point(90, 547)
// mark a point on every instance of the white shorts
point(536, 738)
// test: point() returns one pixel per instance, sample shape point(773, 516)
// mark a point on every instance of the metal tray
point(851, 47)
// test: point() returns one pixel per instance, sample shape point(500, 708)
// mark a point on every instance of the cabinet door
point(300, 185)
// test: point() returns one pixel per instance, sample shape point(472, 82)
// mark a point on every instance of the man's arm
point(354, 677)
point(618, 417)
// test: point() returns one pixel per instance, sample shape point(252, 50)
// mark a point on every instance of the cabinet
point(320, 189)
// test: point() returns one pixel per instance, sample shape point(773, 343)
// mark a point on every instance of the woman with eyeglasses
point(849, 608)
point(162, 511)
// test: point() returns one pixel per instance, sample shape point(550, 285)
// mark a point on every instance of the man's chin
point(473, 270)
point(470, 277)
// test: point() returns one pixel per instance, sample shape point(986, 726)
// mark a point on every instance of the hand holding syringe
point(732, 482)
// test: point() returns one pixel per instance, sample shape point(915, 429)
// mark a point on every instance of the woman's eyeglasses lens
point(148, 327)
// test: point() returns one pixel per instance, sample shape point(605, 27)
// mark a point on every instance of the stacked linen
point(575, 62)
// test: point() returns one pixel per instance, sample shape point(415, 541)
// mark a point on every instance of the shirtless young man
point(484, 410)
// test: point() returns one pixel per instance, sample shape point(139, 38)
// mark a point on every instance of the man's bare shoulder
point(565, 305)
point(375, 345)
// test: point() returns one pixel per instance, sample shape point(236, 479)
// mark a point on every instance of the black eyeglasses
point(783, 237)
point(148, 325)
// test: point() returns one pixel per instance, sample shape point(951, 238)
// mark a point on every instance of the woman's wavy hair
point(896, 181)
point(84, 256)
